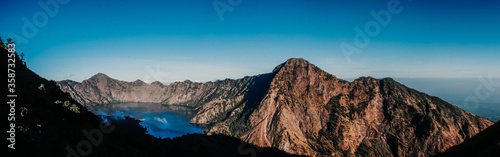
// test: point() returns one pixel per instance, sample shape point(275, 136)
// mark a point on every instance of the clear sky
point(187, 39)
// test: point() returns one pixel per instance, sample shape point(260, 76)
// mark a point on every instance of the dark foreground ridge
point(486, 143)
point(50, 123)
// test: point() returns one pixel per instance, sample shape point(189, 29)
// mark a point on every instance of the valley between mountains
point(300, 109)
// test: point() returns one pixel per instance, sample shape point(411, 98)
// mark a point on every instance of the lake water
point(161, 121)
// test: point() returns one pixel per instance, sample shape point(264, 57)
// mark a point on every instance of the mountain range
point(300, 109)
point(48, 122)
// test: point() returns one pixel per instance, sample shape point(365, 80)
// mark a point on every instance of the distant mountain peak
point(289, 62)
point(157, 83)
point(297, 60)
point(139, 82)
point(293, 64)
point(294, 68)
point(99, 76)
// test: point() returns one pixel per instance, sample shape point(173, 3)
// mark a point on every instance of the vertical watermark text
point(11, 94)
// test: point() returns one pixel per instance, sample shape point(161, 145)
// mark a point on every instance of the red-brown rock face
point(303, 110)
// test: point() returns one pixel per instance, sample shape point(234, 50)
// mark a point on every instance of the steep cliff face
point(385, 118)
point(101, 89)
point(310, 112)
point(293, 107)
point(303, 110)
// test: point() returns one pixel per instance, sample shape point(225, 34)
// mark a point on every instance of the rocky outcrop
point(303, 110)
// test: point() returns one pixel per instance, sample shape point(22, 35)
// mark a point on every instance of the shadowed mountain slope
point(486, 143)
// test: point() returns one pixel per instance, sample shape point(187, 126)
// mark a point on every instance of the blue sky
point(178, 40)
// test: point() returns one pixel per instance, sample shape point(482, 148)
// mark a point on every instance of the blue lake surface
point(161, 121)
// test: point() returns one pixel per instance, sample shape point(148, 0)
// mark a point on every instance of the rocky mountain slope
point(300, 109)
point(48, 122)
point(101, 89)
